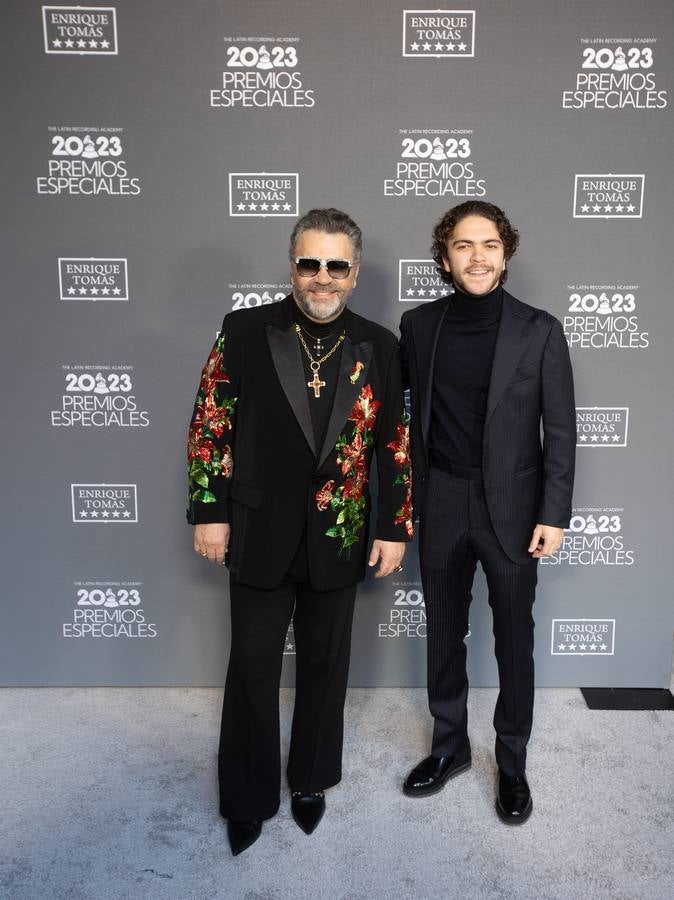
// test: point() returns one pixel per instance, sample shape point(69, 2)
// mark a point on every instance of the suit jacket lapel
point(347, 392)
point(426, 332)
point(287, 357)
point(514, 333)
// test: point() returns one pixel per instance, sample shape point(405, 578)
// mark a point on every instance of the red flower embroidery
point(212, 417)
point(213, 371)
point(404, 516)
point(324, 495)
point(401, 446)
point(350, 453)
point(401, 455)
point(364, 412)
point(353, 486)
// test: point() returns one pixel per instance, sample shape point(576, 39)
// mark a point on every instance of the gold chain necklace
point(315, 364)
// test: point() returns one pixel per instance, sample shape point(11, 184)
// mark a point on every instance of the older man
point(293, 401)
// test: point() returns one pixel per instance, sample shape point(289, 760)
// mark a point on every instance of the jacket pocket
point(528, 471)
point(246, 495)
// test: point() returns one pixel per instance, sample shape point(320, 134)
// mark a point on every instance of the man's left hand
point(545, 540)
point(388, 554)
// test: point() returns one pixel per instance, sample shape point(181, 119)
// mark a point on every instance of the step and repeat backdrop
point(157, 156)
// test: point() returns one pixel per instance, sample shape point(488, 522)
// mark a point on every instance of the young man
point(293, 401)
point(485, 371)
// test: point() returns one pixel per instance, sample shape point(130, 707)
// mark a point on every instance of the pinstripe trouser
point(456, 533)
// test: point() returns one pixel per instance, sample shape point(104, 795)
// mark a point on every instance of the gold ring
point(398, 569)
point(203, 552)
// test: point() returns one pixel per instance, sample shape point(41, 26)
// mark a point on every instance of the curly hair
point(444, 228)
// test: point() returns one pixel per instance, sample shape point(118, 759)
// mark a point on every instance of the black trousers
point(456, 533)
point(249, 763)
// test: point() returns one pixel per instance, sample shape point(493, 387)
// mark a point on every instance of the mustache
point(323, 288)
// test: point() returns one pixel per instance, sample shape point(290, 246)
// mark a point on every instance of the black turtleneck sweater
point(461, 374)
point(328, 332)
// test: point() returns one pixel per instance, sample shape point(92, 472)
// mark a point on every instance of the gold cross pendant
point(316, 384)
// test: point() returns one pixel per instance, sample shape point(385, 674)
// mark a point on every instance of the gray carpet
point(111, 793)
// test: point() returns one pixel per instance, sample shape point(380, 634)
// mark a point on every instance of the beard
point(321, 310)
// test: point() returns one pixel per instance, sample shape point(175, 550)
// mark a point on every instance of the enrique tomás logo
point(608, 196)
point(601, 426)
point(80, 30)
point(419, 281)
point(438, 33)
point(263, 194)
point(93, 278)
point(107, 504)
point(583, 637)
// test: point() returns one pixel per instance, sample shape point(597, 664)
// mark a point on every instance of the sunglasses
point(308, 266)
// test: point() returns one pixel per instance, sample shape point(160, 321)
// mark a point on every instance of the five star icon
point(437, 47)
point(104, 514)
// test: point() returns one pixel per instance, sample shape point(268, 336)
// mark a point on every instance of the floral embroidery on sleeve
point(348, 500)
point(401, 455)
point(212, 418)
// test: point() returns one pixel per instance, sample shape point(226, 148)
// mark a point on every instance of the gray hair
point(329, 221)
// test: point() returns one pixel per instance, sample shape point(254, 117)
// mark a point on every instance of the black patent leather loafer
point(513, 800)
point(432, 773)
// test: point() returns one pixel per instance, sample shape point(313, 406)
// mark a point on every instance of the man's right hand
point(211, 541)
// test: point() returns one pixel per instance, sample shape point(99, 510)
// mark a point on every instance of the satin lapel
point(426, 332)
point(287, 356)
point(346, 393)
point(514, 333)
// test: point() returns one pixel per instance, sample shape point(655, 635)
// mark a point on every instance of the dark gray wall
point(130, 232)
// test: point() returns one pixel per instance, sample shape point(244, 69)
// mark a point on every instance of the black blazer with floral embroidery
point(252, 459)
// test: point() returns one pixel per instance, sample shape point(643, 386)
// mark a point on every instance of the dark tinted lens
point(307, 266)
point(338, 268)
